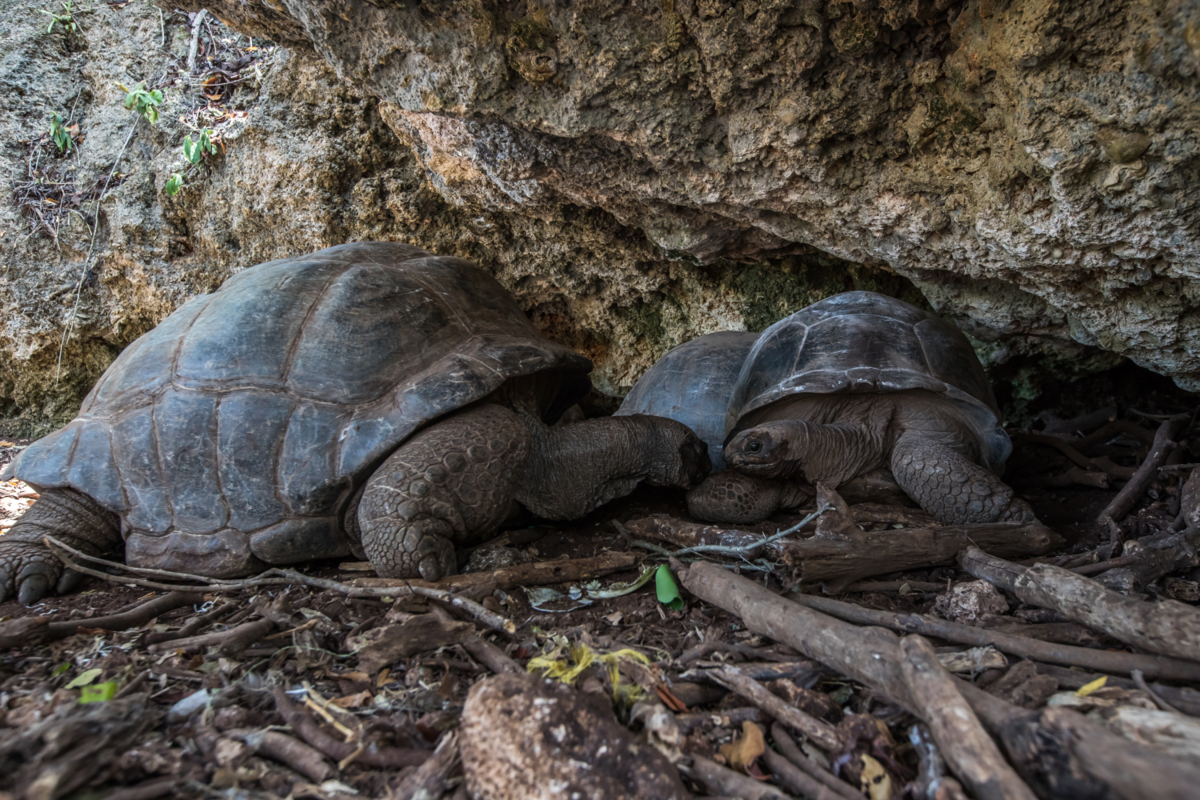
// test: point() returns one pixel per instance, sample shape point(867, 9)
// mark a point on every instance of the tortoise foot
point(29, 572)
point(450, 483)
point(951, 487)
point(737, 498)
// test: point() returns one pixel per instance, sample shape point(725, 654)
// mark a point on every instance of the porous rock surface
point(309, 161)
point(1030, 165)
point(523, 736)
point(637, 173)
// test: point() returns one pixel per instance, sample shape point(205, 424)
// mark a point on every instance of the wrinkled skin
point(459, 479)
point(925, 441)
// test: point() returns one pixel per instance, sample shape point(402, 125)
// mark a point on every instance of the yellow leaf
point(875, 780)
point(1084, 691)
point(84, 679)
point(741, 752)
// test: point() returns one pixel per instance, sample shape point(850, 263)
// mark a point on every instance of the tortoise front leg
point(952, 487)
point(27, 567)
point(452, 481)
point(734, 497)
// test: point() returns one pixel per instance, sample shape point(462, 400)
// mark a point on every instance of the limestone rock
point(1031, 157)
point(526, 737)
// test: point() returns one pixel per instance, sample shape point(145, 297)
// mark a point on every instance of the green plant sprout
point(145, 100)
point(59, 133)
point(66, 18)
point(194, 151)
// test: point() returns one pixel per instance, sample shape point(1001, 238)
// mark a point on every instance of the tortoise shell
point(234, 432)
point(691, 384)
point(867, 342)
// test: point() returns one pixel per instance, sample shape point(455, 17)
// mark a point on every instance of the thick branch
point(1099, 660)
point(1168, 626)
point(840, 559)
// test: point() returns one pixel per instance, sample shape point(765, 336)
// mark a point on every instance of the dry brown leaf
point(354, 700)
point(742, 751)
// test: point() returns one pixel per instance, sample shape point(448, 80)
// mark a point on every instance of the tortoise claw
point(437, 559)
point(69, 581)
point(33, 588)
point(29, 571)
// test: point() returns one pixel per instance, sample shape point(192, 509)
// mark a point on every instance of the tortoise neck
point(575, 468)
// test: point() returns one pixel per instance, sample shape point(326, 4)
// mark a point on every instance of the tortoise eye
point(754, 446)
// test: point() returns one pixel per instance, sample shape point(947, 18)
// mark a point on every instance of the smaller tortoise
point(691, 384)
point(856, 383)
point(368, 398)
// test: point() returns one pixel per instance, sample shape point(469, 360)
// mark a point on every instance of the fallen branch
point(1167, 627)
point(432, 779)
point(722, 781)
point(272, 577)
point(371, 755)
point(821, 733)
point(1067, 655)
point(1186, 700)
point(194, 624)
point(932, 783)
point(128, 617)
point(1152, 557)
point(230, 642)
point(305, 759)
point(797, 781)
point(490, 655)
point(1163, 444)
point(1063, 754)
point(838, 560)
point(28, 630)
point(970, 752)
point(1118, 768)
point(194, 45)
point(792, 752)
point(892, 515)
point(535, 574)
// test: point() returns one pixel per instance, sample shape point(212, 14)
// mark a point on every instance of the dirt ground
point(173, 717)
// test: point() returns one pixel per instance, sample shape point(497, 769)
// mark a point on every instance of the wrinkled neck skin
point(830, 453)
point(573, 469)
point(834, 438)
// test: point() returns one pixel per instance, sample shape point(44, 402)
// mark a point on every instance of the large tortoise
point(369, 398)
point(691, 384)
point(856, 383)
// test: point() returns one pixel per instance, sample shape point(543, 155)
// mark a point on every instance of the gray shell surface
point(264, 403)
point(691, 384)
point(867, 342)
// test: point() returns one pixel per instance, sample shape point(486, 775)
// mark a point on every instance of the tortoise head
point(681, 456)
point(764, 451)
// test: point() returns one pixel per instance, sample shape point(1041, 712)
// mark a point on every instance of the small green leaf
point(100, 693)
point(173, 184)
point(60, 670)
point(191, 150)
point(84, 679)
point(668, 590)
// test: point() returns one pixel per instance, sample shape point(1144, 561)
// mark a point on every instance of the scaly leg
point(734, 497)
point(951, 487)
point(452, 481)
point(27, 567)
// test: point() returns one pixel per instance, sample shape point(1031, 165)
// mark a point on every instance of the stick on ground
point(821, 733)
point(1160, 667)
point(964, 743)
point(840, 559)
point(1168, 626)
